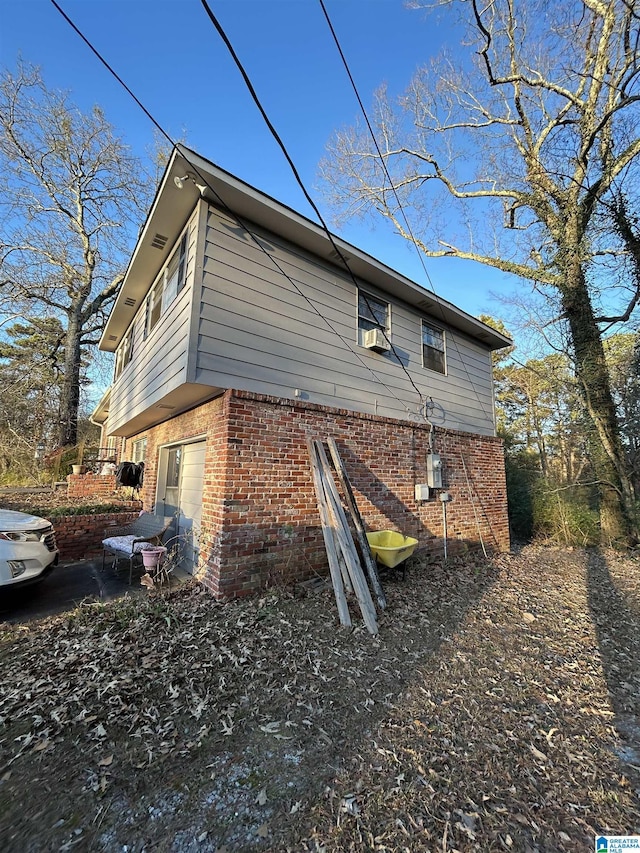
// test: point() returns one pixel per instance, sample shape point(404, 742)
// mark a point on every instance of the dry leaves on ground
point(498, 709)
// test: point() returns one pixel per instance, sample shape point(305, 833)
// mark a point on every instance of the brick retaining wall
point(87, 486)
point(80, 536)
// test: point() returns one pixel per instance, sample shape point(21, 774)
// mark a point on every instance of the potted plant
point(78, 467)
point(153, 556)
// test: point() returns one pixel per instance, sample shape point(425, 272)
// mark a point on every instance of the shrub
point(565, 517)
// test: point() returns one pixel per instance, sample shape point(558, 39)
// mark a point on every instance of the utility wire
point(375, 142)
point(228, 210)
point(299, 181)
point(395, 193)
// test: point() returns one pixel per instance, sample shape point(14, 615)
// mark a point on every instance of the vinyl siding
point(256, 331)
point(159, 363)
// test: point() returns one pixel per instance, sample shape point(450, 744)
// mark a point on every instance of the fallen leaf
point(270, 728)
point(263, 830)
point(537, 754)
point(261, 799)
point(106, 761)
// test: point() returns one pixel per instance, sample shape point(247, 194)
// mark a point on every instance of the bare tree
point(534, 130)
point(69, 190)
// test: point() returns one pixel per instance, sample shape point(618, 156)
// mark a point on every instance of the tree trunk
point(614, 485)
point(70, 390)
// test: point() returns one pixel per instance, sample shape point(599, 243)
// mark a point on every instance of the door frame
point(161, 481)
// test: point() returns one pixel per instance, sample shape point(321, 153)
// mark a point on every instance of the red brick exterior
point(88, 486)
point(80, 536)
point(259, 517)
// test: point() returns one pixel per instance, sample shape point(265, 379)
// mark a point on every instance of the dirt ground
point(498, 709)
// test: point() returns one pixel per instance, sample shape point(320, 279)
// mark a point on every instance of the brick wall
point(80, 536)
point(271, 524)
point(88, 486)
point(260, 519)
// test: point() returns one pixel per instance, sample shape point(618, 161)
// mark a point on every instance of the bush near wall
point(80, 536)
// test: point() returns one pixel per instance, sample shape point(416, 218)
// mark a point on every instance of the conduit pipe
point(444, 526)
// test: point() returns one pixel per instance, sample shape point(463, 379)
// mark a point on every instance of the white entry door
point(189, 520)
point(180, 492)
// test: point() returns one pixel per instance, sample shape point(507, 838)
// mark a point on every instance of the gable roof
point(173, 205)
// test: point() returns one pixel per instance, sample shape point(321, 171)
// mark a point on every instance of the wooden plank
point(329, 542)
point(331, 527)
point(367, 556)
point(352, 560)
point(345, 540)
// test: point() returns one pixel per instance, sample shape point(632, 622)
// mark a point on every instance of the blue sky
point(169, 54)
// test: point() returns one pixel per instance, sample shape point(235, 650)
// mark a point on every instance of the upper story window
point(125, 353)
point(167, 286)
point(373, 313)
point(433, 351)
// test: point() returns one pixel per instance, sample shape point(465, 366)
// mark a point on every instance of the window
point(138, 450)
point(433, 355)
point(172, 483)
point(167, 286)
point(373, 313)
point(125, 352)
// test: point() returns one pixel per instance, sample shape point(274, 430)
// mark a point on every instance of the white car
point(28, 549)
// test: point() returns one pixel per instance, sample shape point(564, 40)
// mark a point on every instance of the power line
point(299, 181)
point(375, 142)
point(395, 193)
point(234, 215)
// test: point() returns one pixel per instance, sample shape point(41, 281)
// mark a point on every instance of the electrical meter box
point(434, 471)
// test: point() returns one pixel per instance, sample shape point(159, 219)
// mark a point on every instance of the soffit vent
point(338, 258)
point(113, 337)
point(159, 242)
point(162, 406)
point(129, 302)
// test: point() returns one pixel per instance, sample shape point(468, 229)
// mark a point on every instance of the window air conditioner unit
point(374, 339)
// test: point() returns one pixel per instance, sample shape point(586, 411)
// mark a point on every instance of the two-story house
point(238, 333)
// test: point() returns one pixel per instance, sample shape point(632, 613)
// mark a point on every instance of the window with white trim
point(167, 286)
point(124, 353)
point(433, 349)
point(373, 313)
point(139, 450)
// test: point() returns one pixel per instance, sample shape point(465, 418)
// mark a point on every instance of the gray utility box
point(434, 471)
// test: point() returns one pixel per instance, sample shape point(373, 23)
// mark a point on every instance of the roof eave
point(172, 206)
